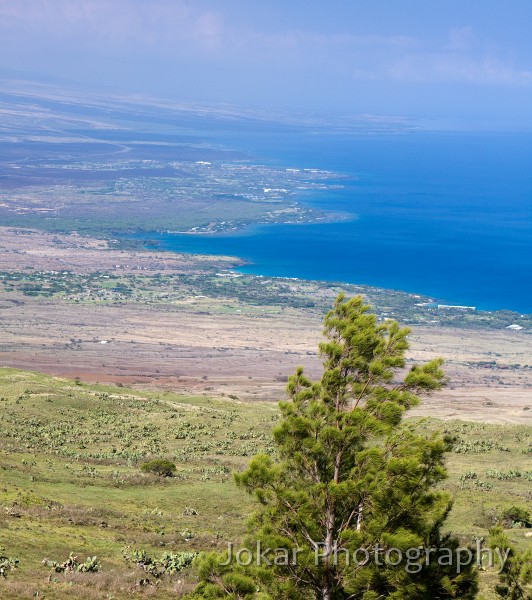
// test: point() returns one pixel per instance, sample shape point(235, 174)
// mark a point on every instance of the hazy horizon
point(440, 61)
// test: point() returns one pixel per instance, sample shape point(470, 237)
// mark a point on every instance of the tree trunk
point(326, 590)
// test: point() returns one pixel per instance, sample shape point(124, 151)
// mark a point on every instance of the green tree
point(515, 577)
point(221, 580)
point(350, 481)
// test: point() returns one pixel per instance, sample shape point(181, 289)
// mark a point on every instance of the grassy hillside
point(70, 480)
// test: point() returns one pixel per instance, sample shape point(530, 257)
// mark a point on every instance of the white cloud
point(458, 68)
point(169, 22)
point(110, 21)
point(189, 30)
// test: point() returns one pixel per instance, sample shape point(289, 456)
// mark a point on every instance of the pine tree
point(350, 481)
point(515, 577)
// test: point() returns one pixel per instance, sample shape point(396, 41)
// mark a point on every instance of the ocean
point(443, 214)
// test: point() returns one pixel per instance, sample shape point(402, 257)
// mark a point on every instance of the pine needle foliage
point(515, 577)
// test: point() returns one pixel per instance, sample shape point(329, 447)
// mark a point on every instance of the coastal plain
point(77, 307)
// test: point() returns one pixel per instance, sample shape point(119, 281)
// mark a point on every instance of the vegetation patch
point(159, 466)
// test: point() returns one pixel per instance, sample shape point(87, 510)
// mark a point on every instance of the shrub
point(169, 562)
point(7, 563)
point(174, 562)
point(159, 466)
point(72, 565)
point(516, 517)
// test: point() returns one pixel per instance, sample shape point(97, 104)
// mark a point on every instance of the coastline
point(173, 243)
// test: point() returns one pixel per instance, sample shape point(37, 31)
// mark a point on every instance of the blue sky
point(468, 60)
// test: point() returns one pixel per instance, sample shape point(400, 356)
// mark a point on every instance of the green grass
point(70, 479)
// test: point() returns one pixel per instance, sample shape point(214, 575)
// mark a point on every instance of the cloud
point(111, 22)
point(461, 59)
point(205, 34)
point(445, 67)
point(171, 24)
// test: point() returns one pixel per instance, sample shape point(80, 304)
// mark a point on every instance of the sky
point(464, 61)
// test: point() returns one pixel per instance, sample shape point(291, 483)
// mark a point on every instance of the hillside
point(70, 479)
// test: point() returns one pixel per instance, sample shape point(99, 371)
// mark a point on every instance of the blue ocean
point(448, 215)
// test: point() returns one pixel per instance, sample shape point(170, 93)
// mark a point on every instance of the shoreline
point(435, 301)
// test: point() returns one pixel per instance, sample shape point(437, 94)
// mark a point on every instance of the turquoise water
point(448, 215)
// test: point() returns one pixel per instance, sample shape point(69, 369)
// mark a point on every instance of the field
point(70, 480)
